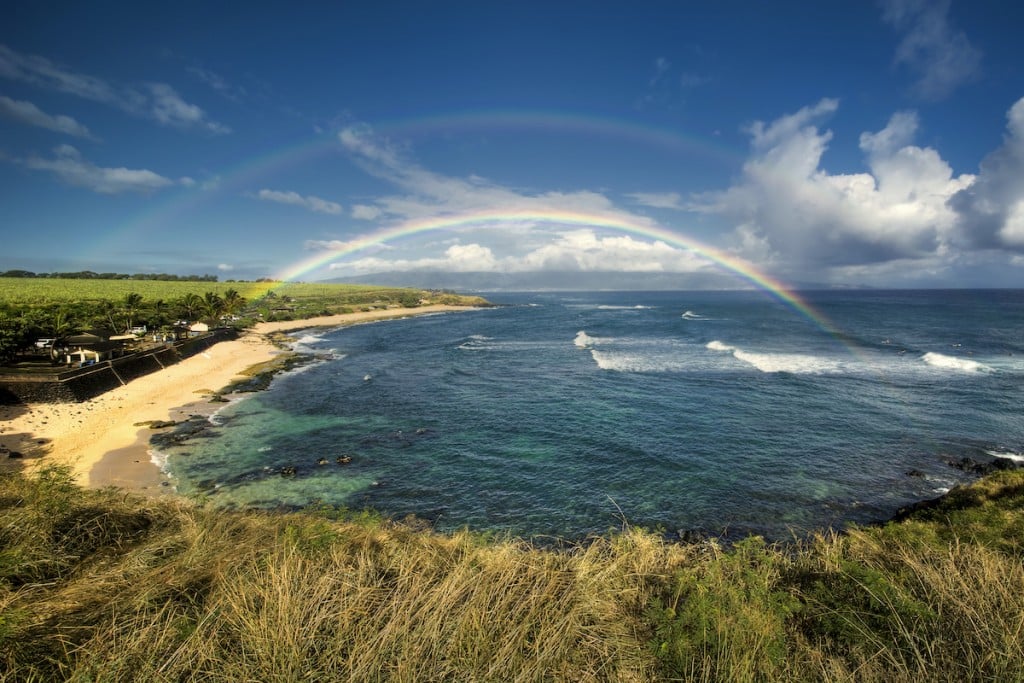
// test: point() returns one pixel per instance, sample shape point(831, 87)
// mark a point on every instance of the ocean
point(559, 415)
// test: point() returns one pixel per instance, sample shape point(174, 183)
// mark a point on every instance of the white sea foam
point(476, 342)
point(638, 307)
point(632, 361)
point(214, 417)
point(939, 360)
point(1009, 455)
point(584, 340)
point(690, 315)
point(308, 339)
point(794, 363)
point(159, 459)
point(719, 346)
point(306, 367)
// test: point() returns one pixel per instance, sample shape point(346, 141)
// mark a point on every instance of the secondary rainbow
point(496, 219)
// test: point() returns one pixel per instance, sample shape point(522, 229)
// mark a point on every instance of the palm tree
point(106, 314)
point(61, 323)
point(233, 302)
point(132, 302)
point(191, 303)
point(213, 304)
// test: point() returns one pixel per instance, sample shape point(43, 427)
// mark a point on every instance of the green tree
point(106, 315)
point(191, 304)
point(213, 304)
point(61, 323)
point(132, 303)
point(160, 316)
point(233, 302)
point(13, 336)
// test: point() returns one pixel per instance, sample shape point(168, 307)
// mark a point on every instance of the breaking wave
point(939, 360)
point(793, 363)
point(620, 361)
point(1008, 455)
point(584, 340)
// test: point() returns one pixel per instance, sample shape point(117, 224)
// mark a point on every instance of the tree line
point(20, 327)
point(90, 275)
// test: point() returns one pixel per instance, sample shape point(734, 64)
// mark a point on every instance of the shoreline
point(102, 439)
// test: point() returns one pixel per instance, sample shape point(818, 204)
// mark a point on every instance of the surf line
point(497, 219)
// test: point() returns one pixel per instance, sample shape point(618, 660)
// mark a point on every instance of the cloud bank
point(788, 210)
point(906, 212)
point(990, 213)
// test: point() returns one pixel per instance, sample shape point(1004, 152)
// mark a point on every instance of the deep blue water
point(568, 414)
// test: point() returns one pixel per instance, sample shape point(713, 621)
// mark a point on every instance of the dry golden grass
point(100, 586)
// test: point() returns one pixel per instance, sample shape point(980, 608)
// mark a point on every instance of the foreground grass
point(98, 586)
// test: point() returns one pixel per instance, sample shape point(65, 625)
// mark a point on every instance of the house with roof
point(87, 348)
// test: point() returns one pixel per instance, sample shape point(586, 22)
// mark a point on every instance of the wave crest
point(939, 360)
point(793, 363)
point(584, 340)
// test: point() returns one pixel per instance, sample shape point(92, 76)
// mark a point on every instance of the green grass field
point(35, 291)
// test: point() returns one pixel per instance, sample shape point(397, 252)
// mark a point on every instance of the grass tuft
point(99, 585)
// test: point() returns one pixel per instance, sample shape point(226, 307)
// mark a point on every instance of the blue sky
point(839, 143)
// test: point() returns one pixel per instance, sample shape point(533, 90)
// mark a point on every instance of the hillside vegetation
point(21, 292)
point(49, 308)
point(103, 586)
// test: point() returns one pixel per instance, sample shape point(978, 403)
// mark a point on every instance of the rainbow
point(495, 219)
point(577, 124)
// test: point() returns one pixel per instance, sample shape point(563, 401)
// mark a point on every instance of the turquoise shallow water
point(567, 414)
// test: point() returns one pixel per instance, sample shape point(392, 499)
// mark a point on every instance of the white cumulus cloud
point(581, 250)
point(786, 207)
point(991, 211)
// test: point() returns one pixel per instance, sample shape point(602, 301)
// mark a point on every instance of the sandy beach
point(101, 438)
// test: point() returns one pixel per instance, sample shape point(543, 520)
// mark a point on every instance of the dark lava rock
point(966, 464)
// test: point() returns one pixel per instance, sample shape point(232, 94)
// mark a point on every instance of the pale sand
point(100, 439)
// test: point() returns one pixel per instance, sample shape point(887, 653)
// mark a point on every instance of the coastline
point(102, 439)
